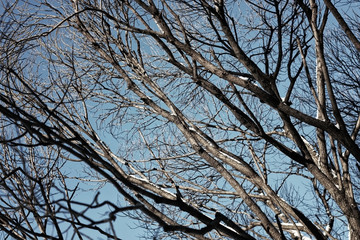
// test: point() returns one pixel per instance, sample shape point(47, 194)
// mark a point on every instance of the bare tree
point(213, 119)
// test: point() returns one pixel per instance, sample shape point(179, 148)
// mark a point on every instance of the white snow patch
point(244, 78)
point(228, 156)
point(291, 224)
point(192, 129)
point(147, 181)
point(327, 228)
point(333, 173)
